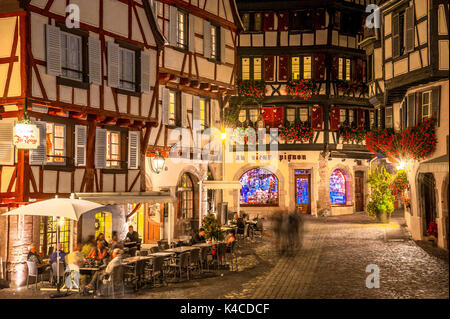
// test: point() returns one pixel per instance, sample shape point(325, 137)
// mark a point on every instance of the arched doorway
point(427, 199)
point(187, 208)
point(339, 187)
point(259, 188)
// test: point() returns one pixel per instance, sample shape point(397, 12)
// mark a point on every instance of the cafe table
point(162, 254)
point(135, 259)
point(182, 249)
point(203, 245)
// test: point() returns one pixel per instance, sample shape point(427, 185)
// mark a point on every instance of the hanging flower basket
point(399, 184)
point(302, 133)
point(301, 89)
point(353, 135)
point(252, 89)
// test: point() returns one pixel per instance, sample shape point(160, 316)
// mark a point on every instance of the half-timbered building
point(197, 71)
point(304, 59)
point(409, 59)
point(85, 74)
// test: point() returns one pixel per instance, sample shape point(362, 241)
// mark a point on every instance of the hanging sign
point(26, 136)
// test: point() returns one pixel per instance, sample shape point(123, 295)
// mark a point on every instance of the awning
point(127, 197)
point(221, 185)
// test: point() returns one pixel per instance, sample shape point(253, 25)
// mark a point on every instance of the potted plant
point(212, 228)
point(381, 199)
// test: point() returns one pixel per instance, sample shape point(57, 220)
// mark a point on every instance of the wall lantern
point(26, 136)
point(157, 163)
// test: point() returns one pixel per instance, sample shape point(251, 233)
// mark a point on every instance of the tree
point(381, 200)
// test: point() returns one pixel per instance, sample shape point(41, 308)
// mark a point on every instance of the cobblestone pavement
point(330, 264)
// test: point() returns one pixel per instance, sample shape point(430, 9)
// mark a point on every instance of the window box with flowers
point(302, 133)
point(303, 89)
point(255, 90)
point(353, 135)
point(352, 88)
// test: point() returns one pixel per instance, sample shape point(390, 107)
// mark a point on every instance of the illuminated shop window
point(103, 225)
point(48, 227)
point(259, 188)
point(338, 188)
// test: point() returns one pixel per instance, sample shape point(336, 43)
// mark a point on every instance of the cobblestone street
point(331, 264)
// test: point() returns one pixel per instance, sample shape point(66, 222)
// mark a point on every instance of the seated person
point(101, 237)
point(88, 246)
point(132, 238)
point(98, 253)
point(199, 237)
point(34, 257)
point(60, 252)
point(230, 239)
point(115, 242)
point(98, 277)
point(76, 257)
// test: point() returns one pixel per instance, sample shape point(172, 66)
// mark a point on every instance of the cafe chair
point(157, 270)
point(204, 254)
point(259, 228)
point(143, 253)
point(230, 254)
point(180, 263)
point(194, 260)
point(115, 282)
point(33, 272)
point(62, 271)
point(135, 274)
point(154, 249)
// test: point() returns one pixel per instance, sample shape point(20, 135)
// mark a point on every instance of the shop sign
point(26, 136)
point(290, 157)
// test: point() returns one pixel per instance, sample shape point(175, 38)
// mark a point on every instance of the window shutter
point(100, 148)
point(113, 64)
point(195, 108)
point(53, 42)
point(6, 143)
point(361, 118)
point(269, 68)
point(222, 43)
point(435, 103)
point(383, 117)
point(191, 33)
point(133, 150)
point(358, 74)
point(95, 61)
point(409, 17)
point(173, 26)
point(80, 145)
point(165, 106)
point(145, 72)
point(316, 117)
point(206, 39)
point(283, 21)
point(395, 36)
point(215, 111)
point(334, 117)
point(411, 108)
point(319, 66)
point(184, 97)
point(367, 120)
point(283, 72)
point(335, 66)
point(39, 155)
point(269, 21)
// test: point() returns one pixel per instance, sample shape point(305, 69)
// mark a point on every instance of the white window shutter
point(100, 148)
point(39, 155)
point(215, 113)
point(133, 150)
point(80, 145)
point(145, 72)
point(195, 108)
point(95, 61)
point(53, 43)
point(6, 143)
point(222, 43)
point(173, 26)
point(409, 36)
point(191, 33)
point(165, 106)
point(206, 39)
point(184, 99)
point(113, 64)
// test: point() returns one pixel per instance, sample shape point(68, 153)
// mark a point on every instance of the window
point(389, 117)
point(301, 67)
point(242, 116)
point(48, 233)
point(338, 187)
point(379, 117)
point(55, 138)
point(252, 69)
point(302, 20)
point(112, 149)
point(137, 219)
point(186, 197)
point(172, 108)
point(246, 21)
point(351, 116)
point(342, 116)
point(182, 30)
point(304, 114)
point(257, 21)
point(259, 187)
point(203, 114)
point(350, 23)
point(103, 225)
point(372, 119)
point(290, 115)
point(426, 105)
point(252, 21)
point(71, 56)
point(254, 114)
point(344, 71)
point(215, 42)
point(398, 34)
point(127, 69)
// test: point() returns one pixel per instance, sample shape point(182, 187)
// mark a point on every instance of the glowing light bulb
point(402, 165)
point(223, 135)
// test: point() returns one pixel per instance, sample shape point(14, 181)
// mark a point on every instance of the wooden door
point(303, 193)
point(359, 191)
point(152, 231)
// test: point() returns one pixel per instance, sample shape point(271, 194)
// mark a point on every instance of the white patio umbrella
point(56, 207)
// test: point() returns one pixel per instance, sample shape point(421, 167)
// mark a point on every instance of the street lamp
point(157, 163)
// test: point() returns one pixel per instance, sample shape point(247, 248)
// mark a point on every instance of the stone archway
point(187, 208)
point(349, 186)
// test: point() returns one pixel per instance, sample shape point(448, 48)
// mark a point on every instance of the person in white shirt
point(104, 274)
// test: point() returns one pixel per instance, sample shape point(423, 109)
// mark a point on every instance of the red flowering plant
point(399, 184)
point(301, 132)
point(301, 88)
point(406, 201)
point(354, 87)
point(420, 141)
point(253, 89)
point(351, 134)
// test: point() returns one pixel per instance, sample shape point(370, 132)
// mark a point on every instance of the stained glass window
point(338, 188)
point(259, 187)
point(302, 190)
